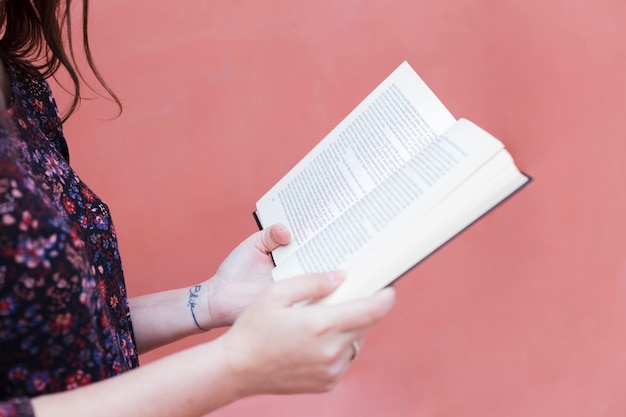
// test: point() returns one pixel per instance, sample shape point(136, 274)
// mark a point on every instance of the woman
point(69, 335)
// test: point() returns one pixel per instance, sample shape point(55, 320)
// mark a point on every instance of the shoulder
point(33, 102)
point(29, 89)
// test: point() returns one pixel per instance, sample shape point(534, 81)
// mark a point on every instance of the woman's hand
point(243, 275)
point(273, 347)
point(278, 347)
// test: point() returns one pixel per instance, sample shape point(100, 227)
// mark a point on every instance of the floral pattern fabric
point(64, 318)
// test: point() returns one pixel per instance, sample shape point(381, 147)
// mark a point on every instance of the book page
point(394, 123)
point(412, 239)
point(418, 186)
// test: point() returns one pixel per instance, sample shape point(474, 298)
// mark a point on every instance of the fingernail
point(336, 276)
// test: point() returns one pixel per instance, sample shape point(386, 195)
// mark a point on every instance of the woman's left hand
point(243, 275)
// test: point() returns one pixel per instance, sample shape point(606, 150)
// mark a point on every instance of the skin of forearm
point(189, 383)
point(164, 317)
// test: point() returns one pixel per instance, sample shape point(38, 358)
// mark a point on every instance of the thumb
point(306, 287)
point(268, 239)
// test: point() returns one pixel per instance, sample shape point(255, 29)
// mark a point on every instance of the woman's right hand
point(278, 346)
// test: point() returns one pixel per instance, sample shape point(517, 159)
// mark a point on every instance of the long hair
point(40, 32)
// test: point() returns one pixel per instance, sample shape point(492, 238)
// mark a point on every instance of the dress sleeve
point(19, 407)
point(47, 294)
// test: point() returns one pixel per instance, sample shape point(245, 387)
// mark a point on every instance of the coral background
point(522, 315)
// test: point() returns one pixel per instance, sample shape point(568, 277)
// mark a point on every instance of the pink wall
point(523, 315)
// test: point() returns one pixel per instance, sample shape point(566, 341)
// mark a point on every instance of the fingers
point(306, 287)
point(364, 313)
point(270, 238)
point(349, 316)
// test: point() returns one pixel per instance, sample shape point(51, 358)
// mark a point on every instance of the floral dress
point(64, 318)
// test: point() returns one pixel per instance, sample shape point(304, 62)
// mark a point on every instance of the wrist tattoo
point(191, 303)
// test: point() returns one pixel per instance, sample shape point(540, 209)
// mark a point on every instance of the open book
point(394, 181)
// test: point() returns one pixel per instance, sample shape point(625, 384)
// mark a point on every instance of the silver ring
point(356, 348)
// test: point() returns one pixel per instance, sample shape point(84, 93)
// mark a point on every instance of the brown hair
point(40, 31)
